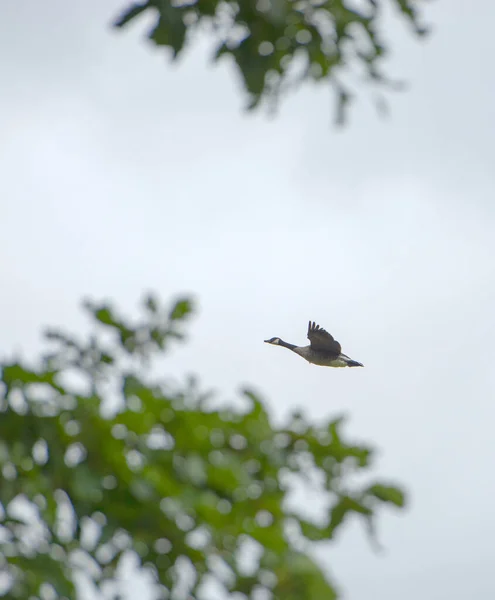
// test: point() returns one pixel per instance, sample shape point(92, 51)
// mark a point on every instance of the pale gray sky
point(121, 173)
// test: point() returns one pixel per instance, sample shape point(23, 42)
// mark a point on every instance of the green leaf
point(15, 375)
point(313, 532)
point(299, 577)
point(334, 430)
point(387, 493)
point(342, 508)
point(104, 315)
point(272, 538)
point(107, 359)
point(131, 13)
point(151, 304)
point(170, 30)
point(42, 569)
point(181, 309)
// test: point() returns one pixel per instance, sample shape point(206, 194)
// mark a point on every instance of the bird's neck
point(287, 345)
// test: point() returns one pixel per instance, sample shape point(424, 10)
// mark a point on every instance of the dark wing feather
point(321, 340)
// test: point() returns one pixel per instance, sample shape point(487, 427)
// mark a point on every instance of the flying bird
point(323, 349)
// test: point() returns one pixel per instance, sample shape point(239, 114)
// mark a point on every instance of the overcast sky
point(121, 173)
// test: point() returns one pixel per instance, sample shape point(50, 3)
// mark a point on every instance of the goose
point(323, 349)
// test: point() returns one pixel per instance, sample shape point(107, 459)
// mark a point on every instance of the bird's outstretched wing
point(321, 340)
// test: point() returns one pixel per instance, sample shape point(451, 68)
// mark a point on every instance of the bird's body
point(323, 349)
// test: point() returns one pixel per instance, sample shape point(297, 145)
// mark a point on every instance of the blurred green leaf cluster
point(278, 44)
point(100, 458)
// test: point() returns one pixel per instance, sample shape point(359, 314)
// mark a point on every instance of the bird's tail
point(354, 363)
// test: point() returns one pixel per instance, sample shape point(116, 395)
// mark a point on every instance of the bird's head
point(274, 340)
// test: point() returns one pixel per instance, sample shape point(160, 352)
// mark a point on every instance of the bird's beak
point(266, 341)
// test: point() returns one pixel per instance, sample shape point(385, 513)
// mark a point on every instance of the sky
point(122, 173)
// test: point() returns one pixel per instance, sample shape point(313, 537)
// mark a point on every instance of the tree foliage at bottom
point(101, 459)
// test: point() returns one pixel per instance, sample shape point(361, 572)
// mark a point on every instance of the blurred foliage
point(278, 44)
point(101, 460)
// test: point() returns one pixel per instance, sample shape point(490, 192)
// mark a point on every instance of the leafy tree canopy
point(100, 458)
point(277, 44)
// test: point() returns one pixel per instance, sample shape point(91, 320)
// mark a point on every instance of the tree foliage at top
point(278, 44)
point(100, 460)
